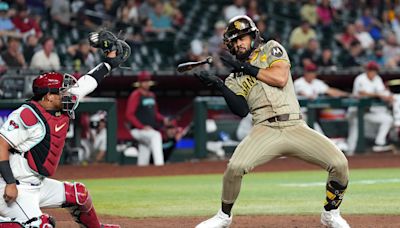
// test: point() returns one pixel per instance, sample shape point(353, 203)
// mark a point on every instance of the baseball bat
point(183, 67)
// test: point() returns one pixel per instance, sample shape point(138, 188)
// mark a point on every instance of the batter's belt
point(285, 117)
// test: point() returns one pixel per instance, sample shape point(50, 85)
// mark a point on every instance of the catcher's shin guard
point(334, 195)
point(80, 204)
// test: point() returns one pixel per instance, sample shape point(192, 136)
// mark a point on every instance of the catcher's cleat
point(332, 219)
point(220, 220)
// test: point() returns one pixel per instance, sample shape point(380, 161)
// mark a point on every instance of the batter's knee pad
point(334, 195)
point(79, 202)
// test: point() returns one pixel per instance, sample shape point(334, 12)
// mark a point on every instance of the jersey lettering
point(247, 84)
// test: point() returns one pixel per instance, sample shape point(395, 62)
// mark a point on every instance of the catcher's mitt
point(105, 40)
point(108, 42)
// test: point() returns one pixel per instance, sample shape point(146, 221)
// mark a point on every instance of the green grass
point(262, 193)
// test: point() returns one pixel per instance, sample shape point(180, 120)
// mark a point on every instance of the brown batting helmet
point(239, 26)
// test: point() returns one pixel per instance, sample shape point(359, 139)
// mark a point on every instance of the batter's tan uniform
point(278, 128)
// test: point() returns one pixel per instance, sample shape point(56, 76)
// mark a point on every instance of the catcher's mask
point(54, 82)
point(239, 26)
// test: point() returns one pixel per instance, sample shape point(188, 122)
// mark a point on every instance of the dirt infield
point(206, 167)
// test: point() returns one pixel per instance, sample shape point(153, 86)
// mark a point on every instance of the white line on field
point(361, 182)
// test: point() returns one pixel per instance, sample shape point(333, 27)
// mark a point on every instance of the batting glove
point(237, 66)
point(209, 80)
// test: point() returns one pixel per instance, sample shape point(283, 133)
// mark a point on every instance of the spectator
point(30, 47)
point(352, 57)
point(326, 15)
point(89, 17)
point(197, 52)
point(82, 55)
point(253, 11)
point(25, 24)
point(145, 120)
point(395, 23)
point(370, 84)
point(158, 23)
point(308, 12)
point(262, 27)
point(46, 59)
point(301, 35)
point(60, 11)
point(108, 9)
point(128, 22)
point(311, 53)
point(367, 43)
point(377, 56)
point(391, 51)
point(215, 44)
point(372, 24)
point(325, 59)
point(236, 9)
point(146, 8)
point(13, 56)
point(171, 10)
point(7, 28)
point(347, 37)
point(130, 9)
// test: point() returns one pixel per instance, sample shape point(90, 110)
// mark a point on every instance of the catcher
point(32, 140)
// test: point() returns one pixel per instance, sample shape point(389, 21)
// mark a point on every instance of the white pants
point(49, 194)
point(150, 142)
point(384, 120)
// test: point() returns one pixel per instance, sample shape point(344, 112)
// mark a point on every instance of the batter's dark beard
point(243, 56)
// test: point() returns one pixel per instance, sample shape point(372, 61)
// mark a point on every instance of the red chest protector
point(45, 156)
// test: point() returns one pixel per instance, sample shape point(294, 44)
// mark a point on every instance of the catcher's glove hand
point(105, 40)
point(123, 51)
point(209, 80)
point(237, 66)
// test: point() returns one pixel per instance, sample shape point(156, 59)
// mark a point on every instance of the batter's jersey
point(265, 101)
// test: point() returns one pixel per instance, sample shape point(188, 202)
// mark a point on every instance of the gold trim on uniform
point(278, 60)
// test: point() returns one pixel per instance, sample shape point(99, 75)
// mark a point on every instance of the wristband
point(6, 173)
point(250, 69)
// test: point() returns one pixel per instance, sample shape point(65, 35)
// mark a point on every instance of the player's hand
point(209, 80)
point(10, 193)
point(237, 66)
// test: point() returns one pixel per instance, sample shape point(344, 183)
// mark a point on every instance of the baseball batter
point(261, 83)
point(32, 140)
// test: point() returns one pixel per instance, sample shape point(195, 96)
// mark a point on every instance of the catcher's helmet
point(237, 27)
point(54, 82)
